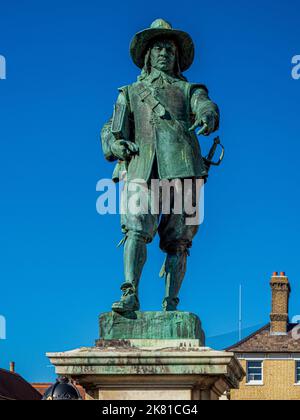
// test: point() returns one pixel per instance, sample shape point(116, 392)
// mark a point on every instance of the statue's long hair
point(147, 66)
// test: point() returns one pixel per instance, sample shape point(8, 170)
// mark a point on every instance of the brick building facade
point(271, 356)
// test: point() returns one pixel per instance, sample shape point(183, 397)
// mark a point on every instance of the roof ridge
point(10, 372)
point(15, 386)
point(41, 383)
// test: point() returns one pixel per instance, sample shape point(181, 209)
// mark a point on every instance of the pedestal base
point(121, 371)
point(150, 356)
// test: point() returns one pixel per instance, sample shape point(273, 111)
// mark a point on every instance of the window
point(255, 372)
point(298, 372)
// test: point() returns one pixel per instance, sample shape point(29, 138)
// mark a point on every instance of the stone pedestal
point(163, 360)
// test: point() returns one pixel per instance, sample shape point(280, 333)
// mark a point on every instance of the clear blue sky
point(59, 265)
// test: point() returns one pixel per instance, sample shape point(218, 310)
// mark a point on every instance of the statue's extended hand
point(207, 124)
point(124, 149)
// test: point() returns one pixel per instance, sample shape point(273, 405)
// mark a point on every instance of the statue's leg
point(176, 238)
point(175, 269)
point(135, 255)
point(139, 230)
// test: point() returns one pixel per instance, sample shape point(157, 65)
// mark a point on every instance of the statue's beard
point(164, 67)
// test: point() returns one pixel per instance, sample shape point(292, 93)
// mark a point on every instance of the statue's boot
point(174, 271)
point(129, 301)
point(135, 255)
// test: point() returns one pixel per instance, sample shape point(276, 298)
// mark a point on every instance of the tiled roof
point(263, 342)
point(42, 387)
point(14, 387)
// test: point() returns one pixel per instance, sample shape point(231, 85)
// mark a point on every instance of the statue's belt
point(146, 96)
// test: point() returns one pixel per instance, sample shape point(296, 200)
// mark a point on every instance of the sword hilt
point(212, 152)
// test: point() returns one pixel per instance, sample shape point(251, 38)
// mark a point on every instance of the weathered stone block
point(151, 326)
point(128, 373)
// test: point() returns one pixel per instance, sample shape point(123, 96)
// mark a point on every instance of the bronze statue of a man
point(153, 134)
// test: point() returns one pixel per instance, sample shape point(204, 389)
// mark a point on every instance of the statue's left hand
point(207, 123)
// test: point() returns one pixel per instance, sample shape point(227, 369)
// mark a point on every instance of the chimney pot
point(275, 274)
point(282, 274)
point(12, 366)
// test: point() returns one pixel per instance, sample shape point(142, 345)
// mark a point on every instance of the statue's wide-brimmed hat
point(160, 28)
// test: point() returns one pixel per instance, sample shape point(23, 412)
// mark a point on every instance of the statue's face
point(163, 55)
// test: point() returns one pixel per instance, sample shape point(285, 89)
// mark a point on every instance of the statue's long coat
point(166, 138)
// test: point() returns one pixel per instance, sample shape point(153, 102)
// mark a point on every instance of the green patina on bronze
point(151, 326)
point(152, 136)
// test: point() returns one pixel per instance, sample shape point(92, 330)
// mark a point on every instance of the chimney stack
point(280, 303)
point(12, 366)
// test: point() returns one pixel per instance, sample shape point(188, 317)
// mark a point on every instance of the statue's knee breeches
point(175, 230)
point(176, 236)
point(140, 226)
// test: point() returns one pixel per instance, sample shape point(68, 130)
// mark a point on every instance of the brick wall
point(279, 383)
